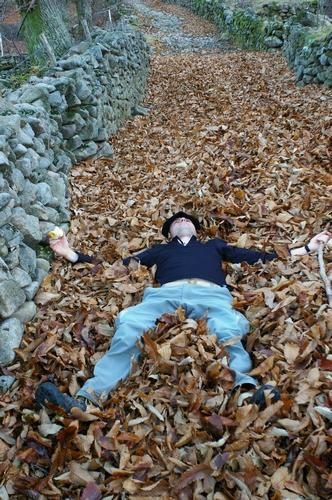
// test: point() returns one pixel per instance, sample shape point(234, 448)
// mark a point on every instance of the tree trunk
point(44, 16)
point(84, 11)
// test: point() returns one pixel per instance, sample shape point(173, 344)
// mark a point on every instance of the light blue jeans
point(214, 302)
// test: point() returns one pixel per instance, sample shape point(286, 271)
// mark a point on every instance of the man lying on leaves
point(191, 276)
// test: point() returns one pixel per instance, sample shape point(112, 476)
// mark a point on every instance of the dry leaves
point(231, 138)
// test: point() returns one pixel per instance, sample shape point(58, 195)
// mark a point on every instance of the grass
point(260, 3)
point(320, 32)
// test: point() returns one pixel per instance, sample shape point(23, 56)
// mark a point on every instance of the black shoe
point(258, 398)
point(48, 392)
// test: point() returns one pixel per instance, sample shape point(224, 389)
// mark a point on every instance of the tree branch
point(322, 271)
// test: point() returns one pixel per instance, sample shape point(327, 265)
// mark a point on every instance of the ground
point(231, 138)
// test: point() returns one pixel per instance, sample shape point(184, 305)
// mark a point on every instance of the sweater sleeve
point(147, 257)
point(84, 258)
point(236, 255)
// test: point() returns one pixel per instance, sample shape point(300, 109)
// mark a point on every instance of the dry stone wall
point(45, 126)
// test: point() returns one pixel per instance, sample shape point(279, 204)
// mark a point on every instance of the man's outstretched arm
point(61, 247)
point(236, 255)
point(313, 245)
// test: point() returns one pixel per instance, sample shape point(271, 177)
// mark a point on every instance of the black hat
point(167, 224)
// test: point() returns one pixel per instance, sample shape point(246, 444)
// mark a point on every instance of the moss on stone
point(43, 251)
point(17, 79)
point(248, 30)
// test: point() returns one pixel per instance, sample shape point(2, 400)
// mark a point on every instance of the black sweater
point(202, 260)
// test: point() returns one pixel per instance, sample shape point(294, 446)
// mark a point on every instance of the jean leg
point(226, 323)
point(131, 324)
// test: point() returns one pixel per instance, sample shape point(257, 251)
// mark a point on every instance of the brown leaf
point(194, 474)
point(91, 492)
point(264, 367)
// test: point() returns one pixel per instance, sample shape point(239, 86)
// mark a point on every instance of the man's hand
point(61, 247)
point(320, 239)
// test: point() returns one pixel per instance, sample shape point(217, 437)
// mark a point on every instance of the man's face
point(182, 227)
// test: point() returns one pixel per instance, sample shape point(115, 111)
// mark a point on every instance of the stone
point(11, 235)
point(73, 100)
point(39, 125)
point(16, 179)
point(273, 42)
point(19, 150)
point(11, 333)
point(34, 158)
point(21, 277)
point(58, 186)
point(324, 60)
point(68, 130)
point(10, 125)
point(42, 104)
point(64, 215)
point(11, 297)
point(45, 227)
point(3, 249)
point(299, 72)
point(38, 175)
point(28, 196)
point(83, 91)
point(12, 259)
point(3, 159)
point(26, 312)
point(307, 79)
point(74, 143)
point(43, 264)
point(90, 131)
point(105, 151)
point(43, 213)
point(102, 135)
point(4, 200)
point(140, 111)
point(40, 275)
point(24, 165)
point(62, 162)
point(310, 71)
point(28, 225)
point(93, 110)
point(324, 76)
point(39, 146)
point(44, 162)
point(27, 258)
point(31, 290)
point(33, 93)
point(63, 83)
point(76, 119)
point(46, 87)
point(5, 215)
point(4, 271)
point(24, 138)
point(74, 61)
point(43, 193)
point(6, 381)
point(80, 48)
point(89, 149)
point(58, 101)
point(4, 142)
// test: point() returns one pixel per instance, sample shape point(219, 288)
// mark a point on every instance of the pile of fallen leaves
point(230, 138)
point(175, 429)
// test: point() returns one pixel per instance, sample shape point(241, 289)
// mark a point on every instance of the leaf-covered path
point(231, 138)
